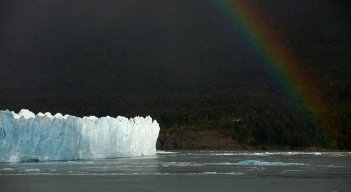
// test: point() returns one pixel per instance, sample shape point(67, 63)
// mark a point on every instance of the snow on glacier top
point(25, 113)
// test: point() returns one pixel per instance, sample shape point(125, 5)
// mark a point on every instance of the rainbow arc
point(264, 40)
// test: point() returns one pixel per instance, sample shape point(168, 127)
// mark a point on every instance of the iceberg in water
point(264, 163)
point(45, 137)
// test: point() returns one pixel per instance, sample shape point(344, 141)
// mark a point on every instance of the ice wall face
point(27, 137)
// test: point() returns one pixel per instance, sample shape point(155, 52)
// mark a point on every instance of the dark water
point(187, 171)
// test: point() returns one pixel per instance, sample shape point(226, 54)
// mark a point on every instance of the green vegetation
point(250, 119)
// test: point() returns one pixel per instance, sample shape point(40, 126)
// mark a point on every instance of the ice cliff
point(44, 137)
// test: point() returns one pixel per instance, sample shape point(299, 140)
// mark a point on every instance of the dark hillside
point(179, 62)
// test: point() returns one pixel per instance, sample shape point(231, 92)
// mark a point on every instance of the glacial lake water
point(187, 171)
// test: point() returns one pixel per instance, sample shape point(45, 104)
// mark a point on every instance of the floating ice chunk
point(159, 152)
point(44, 137)
point(7, 169)
point(289, 153)
point(263, 163)
point(210, 173)
point(181, 164)
point(234, 173)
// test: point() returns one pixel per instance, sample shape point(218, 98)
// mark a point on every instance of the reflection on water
point(280, 164)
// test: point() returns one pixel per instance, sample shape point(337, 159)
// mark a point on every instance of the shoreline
point(216, 140)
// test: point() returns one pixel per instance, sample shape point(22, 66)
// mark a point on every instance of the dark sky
point(153, 46)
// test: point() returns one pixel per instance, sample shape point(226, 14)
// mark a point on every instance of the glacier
point(45, 137)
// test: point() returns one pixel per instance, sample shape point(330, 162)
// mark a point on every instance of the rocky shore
point(207, 139)
point(179, 139)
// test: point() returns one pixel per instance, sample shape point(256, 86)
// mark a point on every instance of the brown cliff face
point(207, 139)
point(183, 139)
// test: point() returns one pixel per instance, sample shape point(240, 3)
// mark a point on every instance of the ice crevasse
point(45, 137)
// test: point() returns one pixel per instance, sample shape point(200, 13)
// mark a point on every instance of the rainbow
point(264, 40)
